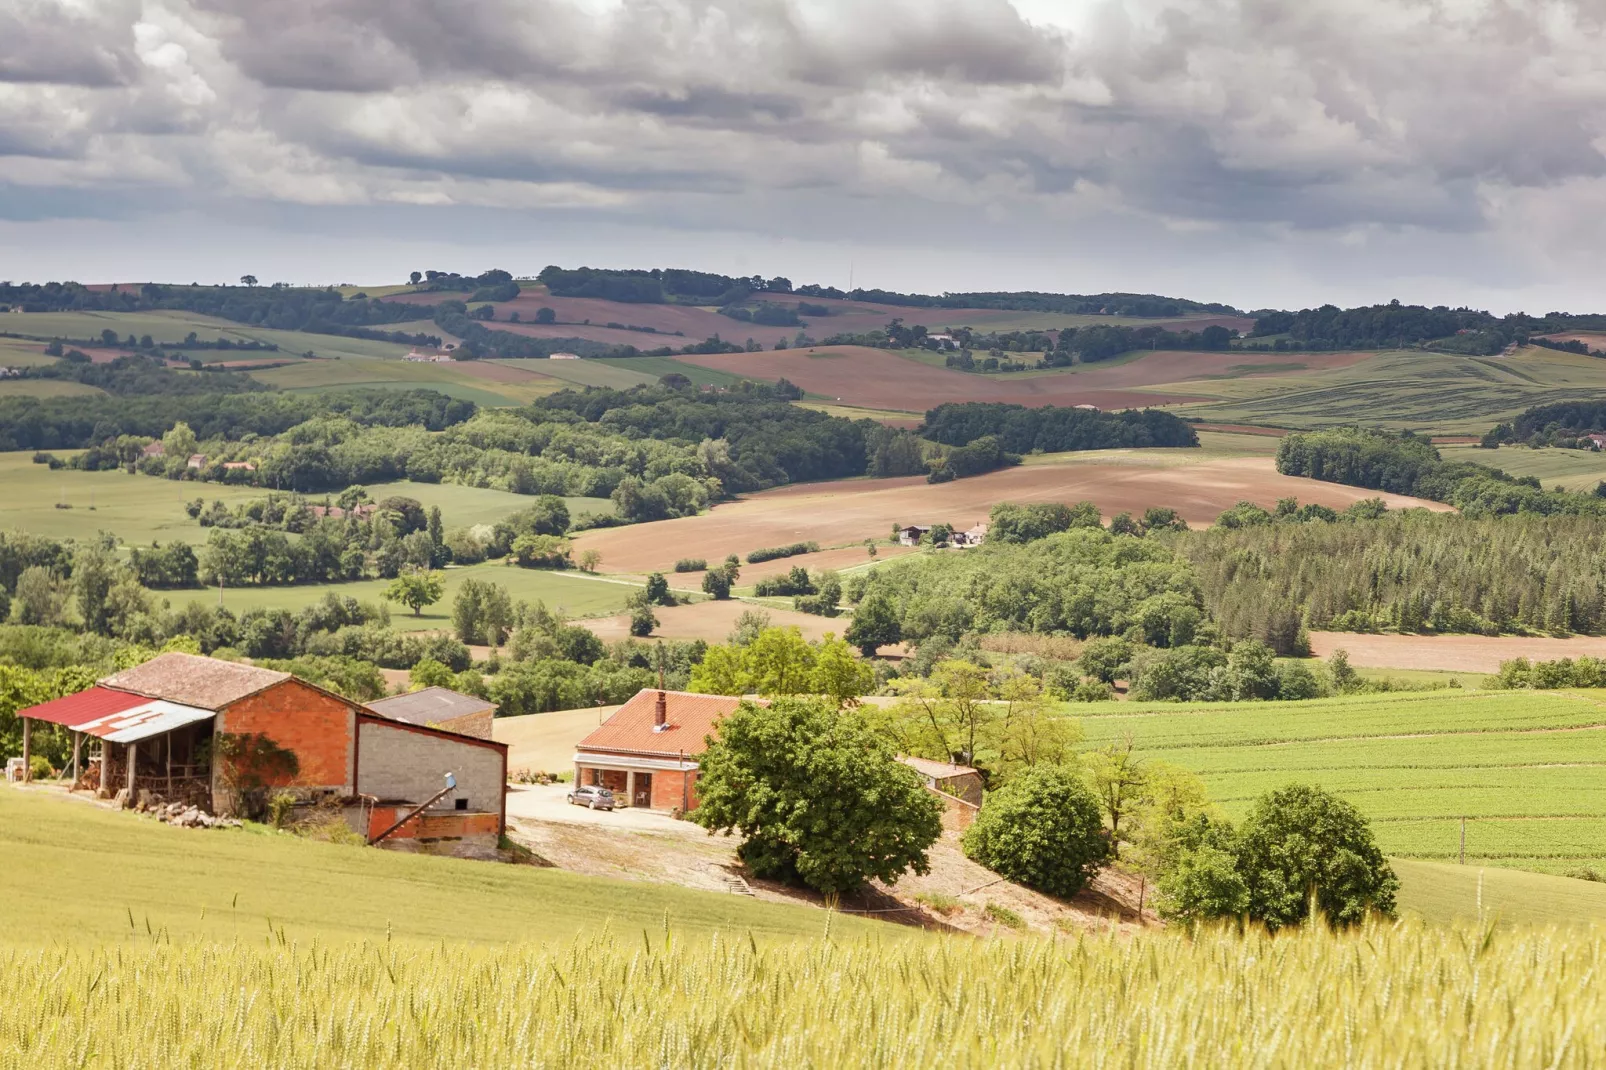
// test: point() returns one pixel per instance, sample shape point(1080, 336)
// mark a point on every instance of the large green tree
point(415, 590)
point(1298, 845)
point(875, 624)
point(1041, 829)
point(816, 796)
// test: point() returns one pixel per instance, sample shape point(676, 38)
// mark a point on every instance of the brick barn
point(647, 752)
point(157, 725)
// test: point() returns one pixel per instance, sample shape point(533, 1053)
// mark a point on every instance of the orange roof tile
point(691, 720)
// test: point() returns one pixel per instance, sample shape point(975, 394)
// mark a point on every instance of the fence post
point(1463, 841)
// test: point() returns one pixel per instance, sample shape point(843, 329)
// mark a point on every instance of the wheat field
point(1384, 996)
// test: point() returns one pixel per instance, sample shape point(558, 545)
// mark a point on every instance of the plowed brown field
point(1456, 653)
point(848, 511)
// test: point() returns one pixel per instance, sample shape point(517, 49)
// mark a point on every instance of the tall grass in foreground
point(1382, 996)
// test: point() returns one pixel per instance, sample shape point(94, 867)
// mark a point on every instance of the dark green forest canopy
point(71, 423)
point(1053, 429)
point(1408, 464)
point(1456, 330)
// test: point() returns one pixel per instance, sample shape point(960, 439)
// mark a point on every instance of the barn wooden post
point(27, 749)
point(77, 749)
point(105, 768)
point(133, 766)
point(630, 788)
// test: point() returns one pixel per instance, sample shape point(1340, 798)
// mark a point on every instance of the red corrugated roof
point(691, 719)
point(88, 705)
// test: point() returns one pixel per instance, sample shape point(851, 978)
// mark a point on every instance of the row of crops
point(1527, 770)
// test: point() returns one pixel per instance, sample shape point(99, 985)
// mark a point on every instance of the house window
point(462, 804)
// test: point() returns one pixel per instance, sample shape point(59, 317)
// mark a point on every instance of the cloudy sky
point(1260, 152)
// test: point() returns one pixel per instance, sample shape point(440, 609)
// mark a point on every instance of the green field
point(1446, 893)
point(46, 388)
point(569, 593)
point(1436, 392)
point(1571, 469)
point(1525, 768)
point(136, 508)
point(172, 326)
point(616, 374)
point(77, 874)
point(401, 375)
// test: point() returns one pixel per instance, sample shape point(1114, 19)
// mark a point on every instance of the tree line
point(1406, 463)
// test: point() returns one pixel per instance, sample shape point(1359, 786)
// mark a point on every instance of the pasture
point(135, 508)
point(189, 885)
point(1199, 483)
point(1525, 768)
point(571, 594)
point(46, 388)
point(451, 379)
point(171, 326)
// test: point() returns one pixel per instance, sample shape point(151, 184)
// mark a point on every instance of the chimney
point(660, 714)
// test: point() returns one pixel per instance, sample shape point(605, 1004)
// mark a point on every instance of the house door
point(643, 795)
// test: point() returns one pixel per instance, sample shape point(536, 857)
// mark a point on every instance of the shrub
point(1042, 829)
point(690, 564)
point(1004, 916)
point(642, 620)
point(773, 552)
point(717, 583)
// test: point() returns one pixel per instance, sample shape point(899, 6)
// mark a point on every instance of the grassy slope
point(75, 872)
point(567, 593)
point(46, 388)
point(1524, 767)
point(402, 375)
point(137, 508)
point(1442, 893)
point(1437, 392)
point(1572, 469)
point(619, 374)
point(172, 326)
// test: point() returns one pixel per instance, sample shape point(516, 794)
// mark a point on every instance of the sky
point(1263, 153)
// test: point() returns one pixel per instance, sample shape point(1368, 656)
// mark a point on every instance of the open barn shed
point(204, 731)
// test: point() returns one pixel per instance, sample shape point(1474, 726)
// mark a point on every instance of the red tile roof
point(84, 706)
point(938, 770)
point(691, 719)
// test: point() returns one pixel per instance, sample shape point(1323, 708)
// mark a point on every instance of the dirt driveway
point(549, 802)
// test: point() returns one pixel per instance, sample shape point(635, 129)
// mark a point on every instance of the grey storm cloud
point(1323, 114)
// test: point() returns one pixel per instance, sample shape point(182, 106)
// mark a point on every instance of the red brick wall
point(668, 790)
point(320, 730)
point(433, 825)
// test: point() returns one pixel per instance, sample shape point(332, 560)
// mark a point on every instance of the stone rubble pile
point(183, 815)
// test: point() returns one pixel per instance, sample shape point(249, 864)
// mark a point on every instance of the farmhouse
point(647, 752)
point(970, 536)
point(197, 460)
point(1597, 441)
point(154, 449)
point(959, 781)
point(160, 726)
point(910, 534)
point(440, 707)
point(564, 356)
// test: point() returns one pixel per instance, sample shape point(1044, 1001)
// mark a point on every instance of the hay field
point(1440, 393)
point(1475, 654)
point(170, 326)
point(615, 374)
point(1569, 469)
point(406, 375)
point(1199, 483)
point(1524, 767)
point(881, 379)
point(568, 593)
point(232, 886)
point(544, 742)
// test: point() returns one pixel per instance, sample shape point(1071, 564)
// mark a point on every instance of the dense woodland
point(1050, 429)
point(1405, 463)
point(1452, 330)
point(1563, 424)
